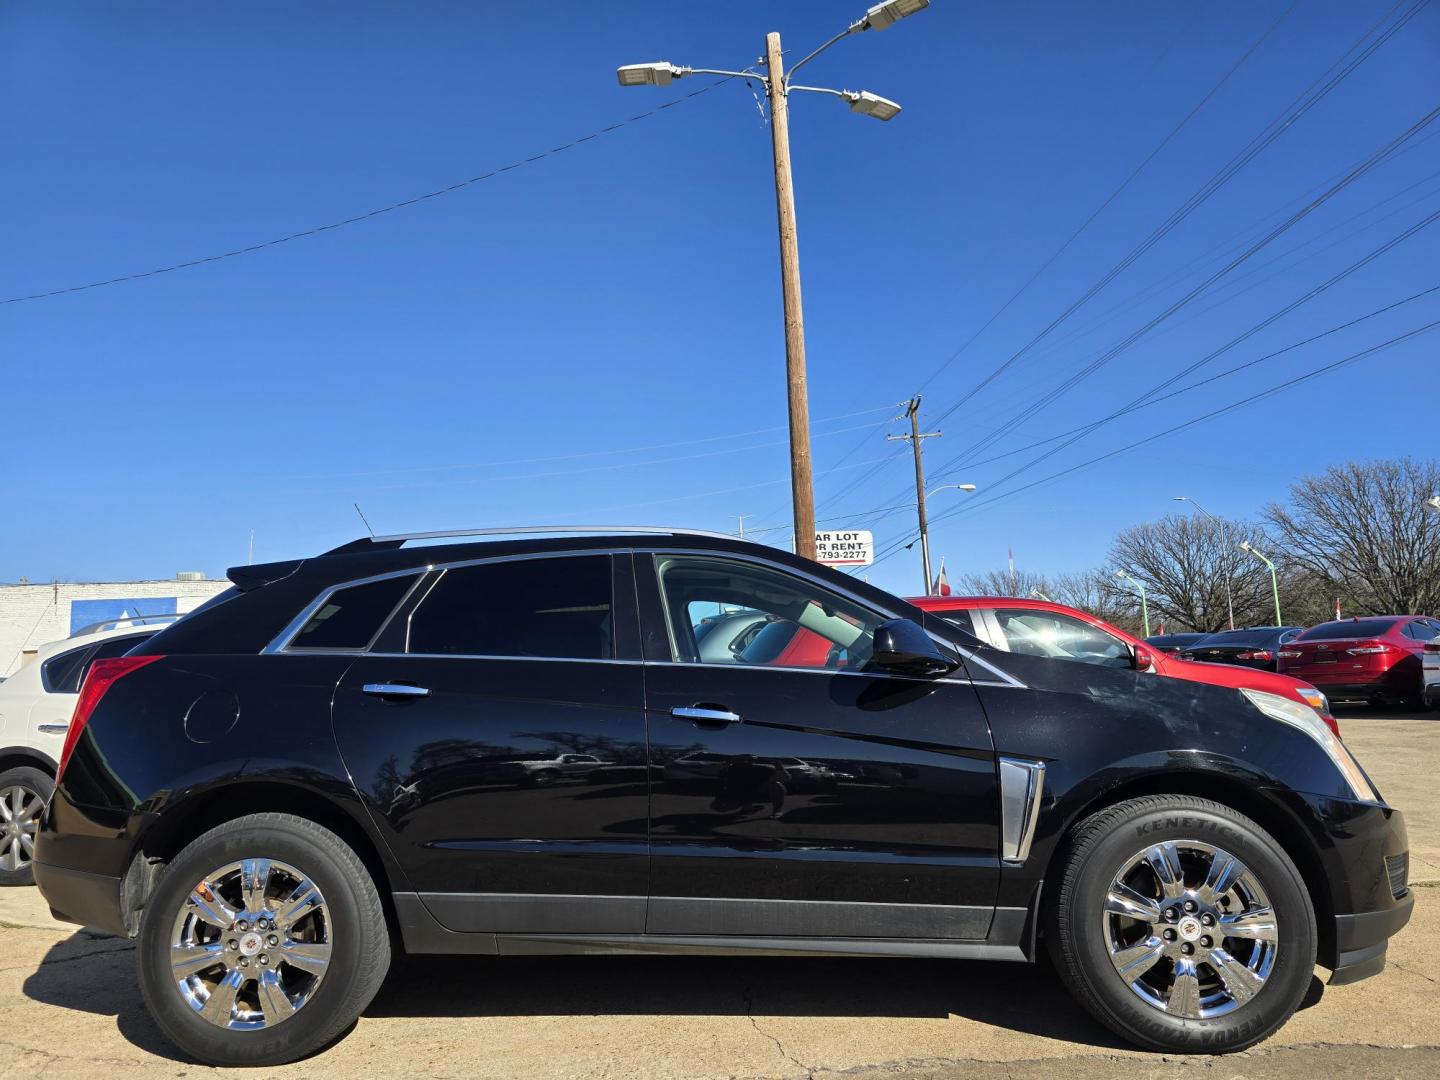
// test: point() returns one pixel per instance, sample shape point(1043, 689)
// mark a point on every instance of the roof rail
point(395, 540)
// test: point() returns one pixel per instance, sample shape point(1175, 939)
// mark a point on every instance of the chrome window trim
point(1022, 785)
point(281, 641)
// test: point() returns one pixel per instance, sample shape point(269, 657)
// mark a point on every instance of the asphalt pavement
point(70, 1006)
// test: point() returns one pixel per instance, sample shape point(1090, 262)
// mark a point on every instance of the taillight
point(103, 674)
point(1289, 654)
point(1258, 654)
point(1366, 647)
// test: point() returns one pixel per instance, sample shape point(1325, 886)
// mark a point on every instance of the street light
point(925, 528)
point(777, 83)
point(1245, 545)
point(1433, 503)
point(1225, 539)
point(1144, 605)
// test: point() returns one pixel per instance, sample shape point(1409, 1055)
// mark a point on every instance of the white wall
point(34, 615)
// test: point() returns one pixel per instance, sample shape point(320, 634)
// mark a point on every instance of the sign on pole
point(845, 547)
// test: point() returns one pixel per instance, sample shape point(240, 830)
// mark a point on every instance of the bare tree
point(1094, 591)
point(1186, 562)
point(998, 583)
point(1363, 532)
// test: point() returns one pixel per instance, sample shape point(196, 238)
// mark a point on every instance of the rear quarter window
point(350, 618)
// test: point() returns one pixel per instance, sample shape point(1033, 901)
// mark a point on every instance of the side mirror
point(903, 648)
point(1144, 659)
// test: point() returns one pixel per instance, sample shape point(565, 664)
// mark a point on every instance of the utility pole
point(801, 483)
point(912, 410)
point(742, 525)
point(778, 85)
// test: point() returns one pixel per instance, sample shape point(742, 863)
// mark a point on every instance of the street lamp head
point(883, 16)
point(1433, 503)
point(1180, 498)
point(658, 73)
point(868, 104)
point(1121, 575)
point(1244, 545)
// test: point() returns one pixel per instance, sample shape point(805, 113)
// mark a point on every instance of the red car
point(1044, 628)
point(1375, 658)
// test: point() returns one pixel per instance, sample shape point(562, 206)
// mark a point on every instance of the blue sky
point(597, 336)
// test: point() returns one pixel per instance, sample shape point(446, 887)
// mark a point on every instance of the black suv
point(345, 751)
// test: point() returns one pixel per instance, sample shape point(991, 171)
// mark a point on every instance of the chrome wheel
point(250, 944)
point(1190, 929)
point(19, 818)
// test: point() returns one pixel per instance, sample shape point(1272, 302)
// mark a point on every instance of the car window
point(350, 618)
point(1060, 637)
point(61, 674)
point(1349, 628)
point(961, 620)
point(1289, 636)
point(556, 608)
point(1421, 631)
point(809, 627)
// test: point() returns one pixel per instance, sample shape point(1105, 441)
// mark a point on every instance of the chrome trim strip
point(1022, 784)
point(281, 641)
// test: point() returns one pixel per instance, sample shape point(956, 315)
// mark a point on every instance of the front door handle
point(395, 690)
point(706, 715)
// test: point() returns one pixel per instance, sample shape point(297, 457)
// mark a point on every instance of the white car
point(35, 707)
point(1430, 674)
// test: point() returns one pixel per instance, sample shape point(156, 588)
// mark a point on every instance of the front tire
point(1182, 925)
point(24, 791)
point(262, 942)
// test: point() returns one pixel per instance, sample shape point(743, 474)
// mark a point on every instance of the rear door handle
point(398, 690)
point(706, 715)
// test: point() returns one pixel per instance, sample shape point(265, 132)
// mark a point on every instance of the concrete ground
point(69, 1004)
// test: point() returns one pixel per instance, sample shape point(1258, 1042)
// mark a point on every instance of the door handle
point(704, 715)
point(396, 690)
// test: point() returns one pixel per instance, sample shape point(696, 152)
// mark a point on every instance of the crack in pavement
point(1412, 971)
point(750, 1015)
point(126, 947)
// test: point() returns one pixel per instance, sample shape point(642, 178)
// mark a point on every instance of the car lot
point(69, 1004)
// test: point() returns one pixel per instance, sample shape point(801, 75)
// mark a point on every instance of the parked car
point(227, 795)
point(1374, 658)
point(1253, 646)
point(1430, 674)
point(1173, 643)
point(35, 707)
point(1045, 628)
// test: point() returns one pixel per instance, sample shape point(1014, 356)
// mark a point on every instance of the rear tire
point(330, 947)
point(24, 791)
point(1133, 949)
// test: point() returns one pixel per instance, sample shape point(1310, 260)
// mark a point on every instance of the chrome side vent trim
point(1022, 783)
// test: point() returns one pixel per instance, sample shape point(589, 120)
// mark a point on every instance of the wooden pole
point(801, 483)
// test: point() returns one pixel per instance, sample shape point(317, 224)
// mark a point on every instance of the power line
point(1236, 66)
point(355, 220)
point(1203, 418)
point(1292, 113)
point(964, 456)
point(1216, 377)
point(1269, 320)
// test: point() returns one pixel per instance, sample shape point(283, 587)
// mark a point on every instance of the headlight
point(1308, 721)
point(1317, 700)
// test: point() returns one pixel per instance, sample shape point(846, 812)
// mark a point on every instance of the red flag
point(942, 583)
point(1337, 609)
